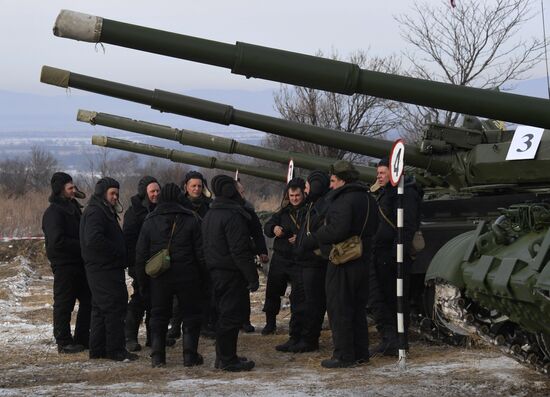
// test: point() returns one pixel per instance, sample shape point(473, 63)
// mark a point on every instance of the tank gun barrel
point(306, 70)
point(178, 156)
point(213, 142)
point(224, 114)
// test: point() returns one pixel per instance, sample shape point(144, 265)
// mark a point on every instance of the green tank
point(486, 220)
point(216, 143)
point(179, 156)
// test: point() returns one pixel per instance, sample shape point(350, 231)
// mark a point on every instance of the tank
point(179, 156)
point(486, 219)
point(216, 143)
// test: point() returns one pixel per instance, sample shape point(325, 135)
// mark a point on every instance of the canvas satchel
point(349, 249)
point(160, 262)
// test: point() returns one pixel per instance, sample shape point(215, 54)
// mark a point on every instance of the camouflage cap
point(344, 170)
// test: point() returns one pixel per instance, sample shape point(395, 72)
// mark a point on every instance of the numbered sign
point(525, 143)
point(290, 173)
point(237, 175)
point(397, 160)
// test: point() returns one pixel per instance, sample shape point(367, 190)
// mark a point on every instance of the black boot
point(270, 324)
point(70, 348)
point(190, 346)
point(158, 350)
point(131, 327)
point(287, 345)
point(304, 346)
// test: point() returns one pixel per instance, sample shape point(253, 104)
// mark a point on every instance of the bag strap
point(386, 218)
point(366, 218)
point(172, 233)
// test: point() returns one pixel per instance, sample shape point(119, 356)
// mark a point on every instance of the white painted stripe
point(399, 287)
point(401, 185)
point(400, 217)
point(399, 253)
point(400, 323)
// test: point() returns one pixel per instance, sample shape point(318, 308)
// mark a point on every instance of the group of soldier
point(212, 245)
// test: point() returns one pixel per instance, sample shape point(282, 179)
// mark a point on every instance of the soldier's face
point(193, 187)
point(336, 182)
point(295, 196)
point(111, 196)
point(382, 175)
point(68, 191)
point(153, 192)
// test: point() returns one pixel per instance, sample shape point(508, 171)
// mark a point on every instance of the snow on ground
point(30, 364)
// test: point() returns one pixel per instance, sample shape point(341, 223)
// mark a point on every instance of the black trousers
point(315, 302)
point(383, 292)
point(138, 306)
point(189, 294)
point(109, 304)
point(231, 295)
point(69, 285)
point(347, 294)
point(281, 273)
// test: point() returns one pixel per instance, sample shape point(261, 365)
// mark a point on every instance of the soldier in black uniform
point(104, 254)
point(283, 226)
point(60, 224)
point(313, 265)
point(174, 227)
point(382, 299)
point(351, 212)
point(143, 203)
point(230, 261)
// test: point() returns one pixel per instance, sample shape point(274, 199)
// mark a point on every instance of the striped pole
point(402, 337)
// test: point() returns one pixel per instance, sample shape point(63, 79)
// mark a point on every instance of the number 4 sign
point(397, 161)
point(525, 143)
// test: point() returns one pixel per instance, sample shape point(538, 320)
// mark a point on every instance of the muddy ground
point(30, 364)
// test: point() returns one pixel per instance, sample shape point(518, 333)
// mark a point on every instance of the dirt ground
point(30, 364)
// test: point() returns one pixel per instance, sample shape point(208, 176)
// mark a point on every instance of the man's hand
point(292, 240)
point(253, 287)
point(278, 230)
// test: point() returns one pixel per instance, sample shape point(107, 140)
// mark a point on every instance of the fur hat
point(169, 193)
point(58, 181)
point(345, 171)
point(105, 184)
point(143, 183)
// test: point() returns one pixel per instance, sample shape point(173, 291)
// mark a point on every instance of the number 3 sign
point(397, 161)
point(525, 143)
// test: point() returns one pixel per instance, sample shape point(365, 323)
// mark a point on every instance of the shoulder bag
point(160, 262)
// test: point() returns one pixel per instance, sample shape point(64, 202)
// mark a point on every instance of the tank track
point(465, 319)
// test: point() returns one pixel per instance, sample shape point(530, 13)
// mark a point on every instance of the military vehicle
point(492, 281)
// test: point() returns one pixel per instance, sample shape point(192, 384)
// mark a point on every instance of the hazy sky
point(27, 41)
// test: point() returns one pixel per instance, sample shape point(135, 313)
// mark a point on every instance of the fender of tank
point(495, 282)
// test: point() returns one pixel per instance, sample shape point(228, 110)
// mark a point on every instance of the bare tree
point(13, 177)
point(42, 165)
point(475, 44)
point(358, 114)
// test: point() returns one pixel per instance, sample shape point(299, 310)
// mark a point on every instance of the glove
point(253, 286)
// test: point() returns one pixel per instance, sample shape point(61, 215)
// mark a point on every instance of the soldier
point(143, 203)
point(174, 227)
point(230, 261)
point(258, 242)
point(284, 226)
point(313, 266)
point(351, 212)
point(104, 254)
point(382, 298)
point(60, 224)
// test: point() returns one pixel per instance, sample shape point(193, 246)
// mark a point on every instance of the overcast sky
point(297, 25)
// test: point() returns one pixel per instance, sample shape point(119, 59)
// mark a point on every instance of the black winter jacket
point(60, 224)
point(101, 238)
point(288, 219)
point(386, 235)
point(312, 217)
point(199, 206)
point(133, 221)
point(346, 215)
point(226, 239)
point(186, 255)
point(259, 246)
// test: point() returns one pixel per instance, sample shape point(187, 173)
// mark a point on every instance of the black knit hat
point(224, 186)
point(345, 171)
point(142, 185)
point(319, 182)
point(169, 193)
point(58, 181)
point(105, 184)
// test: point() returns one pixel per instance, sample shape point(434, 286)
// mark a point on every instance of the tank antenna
point(545, 47)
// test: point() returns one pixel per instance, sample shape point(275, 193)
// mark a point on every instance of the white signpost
point(290, 173)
